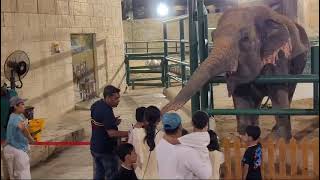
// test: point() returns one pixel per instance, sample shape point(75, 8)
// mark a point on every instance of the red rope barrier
point(63, 143)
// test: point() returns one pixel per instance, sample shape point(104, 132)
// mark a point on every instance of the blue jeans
point(106, 166)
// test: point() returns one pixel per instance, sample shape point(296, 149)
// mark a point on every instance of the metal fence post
point(193, 49)
point(203, 49)
point(315, 70)
point(165, 54)
point(182, 52)
point(126, 60)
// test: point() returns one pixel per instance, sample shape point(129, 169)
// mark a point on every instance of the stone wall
point(34, 25)
point(308, 16)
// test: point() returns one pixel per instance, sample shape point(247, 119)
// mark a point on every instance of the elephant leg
point(280, 100)
point(297, 66)
point(246, 102)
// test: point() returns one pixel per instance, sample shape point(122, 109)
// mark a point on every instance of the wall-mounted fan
point(16, 67)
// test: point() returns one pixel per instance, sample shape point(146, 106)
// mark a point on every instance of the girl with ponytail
point(152, 119)
point(144, 141)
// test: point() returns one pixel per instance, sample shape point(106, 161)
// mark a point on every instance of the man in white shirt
point(176, 161)
point(165, 149)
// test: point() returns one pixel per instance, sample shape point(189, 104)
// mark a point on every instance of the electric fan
point(16, 67)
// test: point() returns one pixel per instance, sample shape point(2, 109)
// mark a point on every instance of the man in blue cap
point(165, 149)
point(175, 160)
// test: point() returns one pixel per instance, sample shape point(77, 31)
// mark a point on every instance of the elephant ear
point(275, 38)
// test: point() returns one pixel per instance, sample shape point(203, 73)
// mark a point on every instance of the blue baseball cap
point(171, 121)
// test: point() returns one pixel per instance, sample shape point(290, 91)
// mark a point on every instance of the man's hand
point(118, 120)
point(31, 141)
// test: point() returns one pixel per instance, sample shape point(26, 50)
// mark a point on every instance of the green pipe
point(171, 76)
point(143, 67)
point(202, 50)
point(146, 79)
point(144, 71)
point(176, 60)
point(147, 84)
point(193, 49)
point(143, 58)
point(175, 19)
point(127, 70)
point(165, 80)
point(277, 79)
point(315, 71)
point(182, 53)
point(262, 112)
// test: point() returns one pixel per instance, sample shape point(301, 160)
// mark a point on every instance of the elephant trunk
point(220, 60)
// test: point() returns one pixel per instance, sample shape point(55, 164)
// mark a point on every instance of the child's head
point(252, 133)
point(127, 153)
point(17, 105)
point(140, 114)
point(172, 123)
point(200, 120)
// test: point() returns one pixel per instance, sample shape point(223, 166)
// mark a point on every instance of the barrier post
point(193, 49)
point(315, 70)
point(203, 49)
point(165, 79)
point(182, 52)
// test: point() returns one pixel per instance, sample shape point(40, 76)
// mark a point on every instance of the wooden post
point(271, 158)
point(293, 157)
point(304, 150)
point(226, 150)
point(237, 158)
point(282, 158)
point(315, 151)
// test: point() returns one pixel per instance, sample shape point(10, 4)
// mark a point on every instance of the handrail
point(176, 18)
point(176, 60)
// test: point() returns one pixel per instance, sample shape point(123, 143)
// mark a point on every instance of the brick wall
point(33, 25)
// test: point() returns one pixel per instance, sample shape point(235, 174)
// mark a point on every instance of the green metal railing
point(199, 46)
point(198, 51)
point(143, 51)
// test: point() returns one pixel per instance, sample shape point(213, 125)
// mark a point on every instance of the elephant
point(249, 42)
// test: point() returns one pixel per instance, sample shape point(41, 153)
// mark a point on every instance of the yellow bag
point(35, 127)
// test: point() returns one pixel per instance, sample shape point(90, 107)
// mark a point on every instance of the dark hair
point(123, 150)
point(151, 116)
point(253, 131)
point(214, 142)
point(140, 114)
point(109, 90)
point(171, 131)
point(200, 120)
point(184, 132)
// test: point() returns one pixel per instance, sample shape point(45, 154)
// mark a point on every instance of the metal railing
point(198, 51)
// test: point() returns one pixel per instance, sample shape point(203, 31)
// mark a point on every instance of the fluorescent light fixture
point(162, 10)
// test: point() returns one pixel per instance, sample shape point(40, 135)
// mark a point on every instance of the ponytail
point(151, 117)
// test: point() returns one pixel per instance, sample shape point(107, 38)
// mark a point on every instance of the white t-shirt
point(167, 160)
point(190, 165)
point(142, 150)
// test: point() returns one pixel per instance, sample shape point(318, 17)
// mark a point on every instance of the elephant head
point(245, 40)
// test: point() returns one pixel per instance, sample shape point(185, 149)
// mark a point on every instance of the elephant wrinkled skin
point(248, 42)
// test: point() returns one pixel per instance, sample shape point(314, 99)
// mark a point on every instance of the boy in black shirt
point(252, 159)
point(128, 158)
